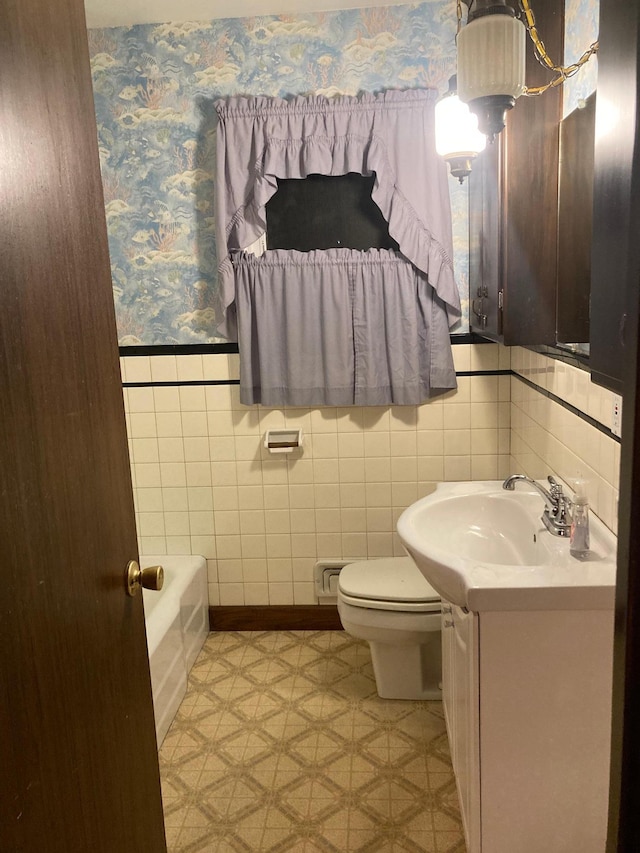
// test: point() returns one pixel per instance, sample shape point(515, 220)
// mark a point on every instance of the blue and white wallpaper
point(581, 25)
point(155, 86)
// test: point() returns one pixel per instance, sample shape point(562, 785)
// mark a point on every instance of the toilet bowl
point(390, 604)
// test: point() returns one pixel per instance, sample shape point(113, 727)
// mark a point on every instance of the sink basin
point(485, 548)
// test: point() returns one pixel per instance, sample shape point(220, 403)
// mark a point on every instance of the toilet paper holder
point(282, 440)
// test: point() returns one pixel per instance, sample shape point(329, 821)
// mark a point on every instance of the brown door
point(78, 762)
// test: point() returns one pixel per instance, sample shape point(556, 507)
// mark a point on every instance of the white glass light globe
point(457, 131)
point(491, 58)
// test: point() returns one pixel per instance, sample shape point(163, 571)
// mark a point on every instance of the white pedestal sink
point(485, 548)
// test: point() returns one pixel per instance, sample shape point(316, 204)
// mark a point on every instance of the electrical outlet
point(616, 415)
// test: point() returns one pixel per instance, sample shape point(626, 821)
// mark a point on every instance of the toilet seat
point(394, 584)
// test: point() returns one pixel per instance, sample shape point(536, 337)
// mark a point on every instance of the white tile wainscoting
point(546, 436)
point(204, 484)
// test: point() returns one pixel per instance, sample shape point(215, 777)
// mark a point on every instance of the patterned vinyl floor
point(282, 744)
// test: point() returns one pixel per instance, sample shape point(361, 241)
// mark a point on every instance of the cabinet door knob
point(448, 623)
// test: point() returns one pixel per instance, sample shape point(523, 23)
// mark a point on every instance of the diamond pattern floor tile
point(282, 744)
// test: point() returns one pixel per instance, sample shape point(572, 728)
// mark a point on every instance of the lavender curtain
point(339, 327)
point(336, 327)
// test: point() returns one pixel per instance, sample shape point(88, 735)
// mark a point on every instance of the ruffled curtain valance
point(389, 135)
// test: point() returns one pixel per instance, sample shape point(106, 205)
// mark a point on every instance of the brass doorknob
point(150, 578)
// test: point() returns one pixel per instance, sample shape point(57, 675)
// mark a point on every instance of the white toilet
point(391, 605)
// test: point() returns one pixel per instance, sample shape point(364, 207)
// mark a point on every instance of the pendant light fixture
point(491, 63)
point(491, 59)
point(458, 139)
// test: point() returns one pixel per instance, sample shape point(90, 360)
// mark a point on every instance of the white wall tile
point(138, 369)
point(202, 524)
point(256, 593)
point(189, 368)
point(231, 594)
point(171, 449)
point(215, 366)
point(149, 500)
point(229, 570)
point(281, 593)
point(179, 545)
point(403, 443)
point(176, 523)
point(214, 594)
point(304, 593)
point(192, 398)
point(253, 546)
point(144, 450)
point(206, 547)
point(462, 357)
point(194, 424)
point(254, 570)
point(279, 570)
point(378, 469)
point(173, 474)
point(166, 399)
point(457, 468)
point(151, 524)
point(142, 425)
point(404, 469)
point(152, 544)
point(169, 424)
point(485, 357)
point(278, 545)
point(457, 442)
point(218, 398)
point(163, 368)
point(147, 475)
point(201, 498)
point(430, 416)
point(140, 400)
point(403, 495)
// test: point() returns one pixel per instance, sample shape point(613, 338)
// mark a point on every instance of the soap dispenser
point(579, 539)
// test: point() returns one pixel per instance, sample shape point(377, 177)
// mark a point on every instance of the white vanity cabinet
point(527, 698)
point(460, 693)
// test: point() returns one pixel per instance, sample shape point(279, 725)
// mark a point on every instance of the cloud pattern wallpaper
point(154, 88)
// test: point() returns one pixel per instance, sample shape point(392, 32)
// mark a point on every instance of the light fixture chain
point(459, 15)
point(563, 72)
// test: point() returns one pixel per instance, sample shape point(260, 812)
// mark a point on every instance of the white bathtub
point(177, 623)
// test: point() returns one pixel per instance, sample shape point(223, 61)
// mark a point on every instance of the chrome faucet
point(557, 511)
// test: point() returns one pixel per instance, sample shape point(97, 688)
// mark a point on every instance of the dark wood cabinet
point(513, 210)
point(575, 223)
point(616, 154)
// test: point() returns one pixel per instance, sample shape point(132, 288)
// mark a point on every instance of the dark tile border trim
point(179, 349)
point(585, 417)
point(484, 373)
point(178, 383)
point(275, 617)
point(217, 349)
